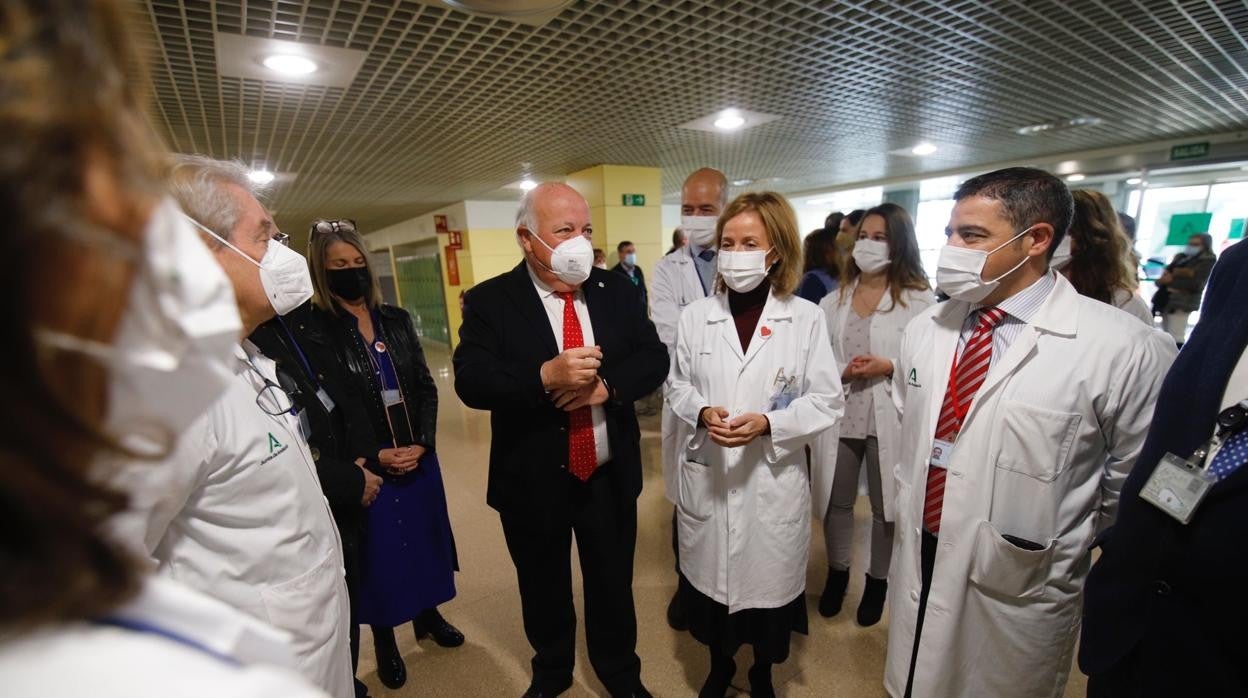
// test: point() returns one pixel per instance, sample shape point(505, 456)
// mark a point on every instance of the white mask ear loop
point(1002, 246)
point(228, 244)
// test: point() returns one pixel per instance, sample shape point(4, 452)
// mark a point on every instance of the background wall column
point(605, 188)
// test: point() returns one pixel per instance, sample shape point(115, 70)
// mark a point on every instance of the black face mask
point(350, 284)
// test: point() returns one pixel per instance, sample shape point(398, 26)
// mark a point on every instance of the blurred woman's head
point(819, 252)
point(885, 244)
point(340, 269)
point(757, 233)
point(80, 177)
point(1098, 248)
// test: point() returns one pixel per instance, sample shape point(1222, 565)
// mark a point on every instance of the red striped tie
point(965, 378)
point(582, 451)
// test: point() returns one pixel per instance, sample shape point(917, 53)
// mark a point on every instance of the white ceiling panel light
point(730, 121)
point(924, 148)
point(1076, 177)
point(261, 176)
point(1059, 125)
point(742, 182)
point(1135, 180)
point(274, 60)
point(532, 12)
point(527, 184)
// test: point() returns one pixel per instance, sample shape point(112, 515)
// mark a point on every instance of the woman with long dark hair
point(1093, 255)
point(883, 287)
point(408, 558)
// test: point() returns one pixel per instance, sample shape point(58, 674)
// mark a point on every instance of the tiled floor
point(838, 658)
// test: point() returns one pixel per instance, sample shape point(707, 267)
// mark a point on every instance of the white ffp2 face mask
point(871, 256)
point(700, 230)
point(960, 271)
point(283, 272)
point(571, 259)
point(174, 348)
point(743, 271)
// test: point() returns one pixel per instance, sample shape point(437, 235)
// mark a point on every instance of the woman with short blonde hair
point(753, 382)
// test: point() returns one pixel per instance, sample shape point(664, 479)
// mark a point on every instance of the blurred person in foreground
point(120, 331)
point(1094, 256)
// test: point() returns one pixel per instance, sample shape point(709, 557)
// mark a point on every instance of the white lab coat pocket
point(783, 494)
point(1002, 568)
point(1036, 442)
point(697, 490)
point(306, 606)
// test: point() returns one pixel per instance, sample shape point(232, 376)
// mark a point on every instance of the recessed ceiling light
point(923, 149)
point(742, 182)
point(260, 177)
point(527, 185)
point(729, 120)
point(290, 65)
point(1076, 178)
point(1059, 125)
point(1135, 180)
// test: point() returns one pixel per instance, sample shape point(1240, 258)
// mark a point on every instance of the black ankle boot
point(833, 593)
point(390, 667)
point(760, 681)
point(872, 605)
point(431, 623)
point(719, 678)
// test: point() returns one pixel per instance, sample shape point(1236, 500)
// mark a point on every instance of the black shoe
point(760, 682)
point(390, 667)
point(718, 680)
point(537, 690)
point(833, 596)
point(431, 623)
point(676, 613)
point(872, 605)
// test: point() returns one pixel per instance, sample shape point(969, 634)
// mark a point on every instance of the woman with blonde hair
point(408, 557)
point(1094, 256)
point(753, 382)
point(883, 287)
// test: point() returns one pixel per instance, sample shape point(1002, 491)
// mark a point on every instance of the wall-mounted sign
point(455, 239)
point(634, 199)
point(1185, 225)
point(1237, 229)
point(439, 224)
point(1189, 151)
point(452, 266)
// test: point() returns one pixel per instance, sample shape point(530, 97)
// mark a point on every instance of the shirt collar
point(1026, 303)
point(544, 289)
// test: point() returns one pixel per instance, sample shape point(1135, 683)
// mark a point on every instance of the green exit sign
point(634, 199)
point(1189, 151)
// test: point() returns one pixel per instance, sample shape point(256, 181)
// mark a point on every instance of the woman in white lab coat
point(100, 279)
point(753, 381)
point(883, 288)
point(1095, 257)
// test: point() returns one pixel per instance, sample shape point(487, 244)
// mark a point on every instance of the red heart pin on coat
point(765, 332)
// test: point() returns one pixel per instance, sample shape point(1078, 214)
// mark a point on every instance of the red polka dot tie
point(582, 451)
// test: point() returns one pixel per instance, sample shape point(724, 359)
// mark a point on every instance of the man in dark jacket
point(309, 370)
point(1164, 606)
point(557, 351)
point(627, 266)
point(1184, 283)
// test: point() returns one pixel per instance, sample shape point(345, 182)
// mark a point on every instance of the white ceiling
point(449, 106)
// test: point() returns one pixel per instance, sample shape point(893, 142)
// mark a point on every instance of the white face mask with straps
point(743, 271)
point(570, 260)
point(960, 271)
point(283, 272)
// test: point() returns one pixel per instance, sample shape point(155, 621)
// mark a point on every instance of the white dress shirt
point(554, 311)
point(1019, 309)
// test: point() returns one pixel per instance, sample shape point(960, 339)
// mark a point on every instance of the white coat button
point(914, 596)
point(956, 473)
point(732, 491)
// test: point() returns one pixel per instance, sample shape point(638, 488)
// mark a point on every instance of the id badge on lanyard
point(395, 405)
point(1178, 485)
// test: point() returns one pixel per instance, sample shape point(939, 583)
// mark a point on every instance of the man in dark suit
point(1164, 607)
point(627, 266)
point(558, 351)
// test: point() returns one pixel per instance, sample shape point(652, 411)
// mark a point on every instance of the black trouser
point(927, 563)
point(675, 542)
point(605, 523)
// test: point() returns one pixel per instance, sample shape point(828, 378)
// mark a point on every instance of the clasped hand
point(737, 432)
point(572, 379)
point(398, 461)
point(867, 366)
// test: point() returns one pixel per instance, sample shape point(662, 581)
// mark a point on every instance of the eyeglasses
point(323, 226)
point(282, 238)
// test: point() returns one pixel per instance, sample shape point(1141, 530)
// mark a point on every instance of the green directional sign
point(1185, 225)
point(634, 199)
point(1189, 151)
point(1237, 229)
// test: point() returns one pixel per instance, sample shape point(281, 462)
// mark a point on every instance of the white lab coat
point(222, 653)
point(744, 513)
point(1134, 305)
point(1049, 440)
point(237, 512)
point(887, 325)
point(674, 284)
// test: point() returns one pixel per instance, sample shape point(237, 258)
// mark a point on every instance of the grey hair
point(526, 215)
point(196, 183)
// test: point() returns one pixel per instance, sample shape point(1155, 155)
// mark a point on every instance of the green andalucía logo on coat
point(274, 444)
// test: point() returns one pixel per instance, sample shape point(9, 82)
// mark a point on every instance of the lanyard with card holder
point(1178, 485)
point(942, 450)
point(321, 395)
point(786, 391)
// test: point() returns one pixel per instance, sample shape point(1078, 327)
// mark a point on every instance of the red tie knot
point(991, 317)
point(565, 295)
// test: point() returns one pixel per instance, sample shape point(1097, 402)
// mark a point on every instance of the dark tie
point(582, 451)
point(706, 255)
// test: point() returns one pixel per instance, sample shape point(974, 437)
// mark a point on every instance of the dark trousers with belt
point(604, 522)
point(927, 562)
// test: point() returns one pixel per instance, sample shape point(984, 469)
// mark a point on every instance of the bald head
point(705, 193)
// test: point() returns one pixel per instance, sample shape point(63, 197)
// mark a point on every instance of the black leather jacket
point(419, 390)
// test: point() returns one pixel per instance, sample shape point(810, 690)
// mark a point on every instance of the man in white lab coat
point(680, 278)
point(237, 511)
point(1024, 408)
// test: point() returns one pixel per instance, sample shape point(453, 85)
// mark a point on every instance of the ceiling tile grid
point(449, 105)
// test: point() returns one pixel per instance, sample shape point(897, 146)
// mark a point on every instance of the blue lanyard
point(149, 629)
point(307, 367)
